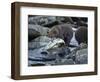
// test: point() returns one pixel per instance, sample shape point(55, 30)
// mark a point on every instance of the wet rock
point(34, 19)
point(45, 53)
point(40, 29)
point(80, 21)
point(38, 56)
point(44, 50)
point(34, 63)
point(38, 64)
point(50, 21)
point(64, 62)
point(63, 51)
point(82, 56)
point(34, 45)
point(67, 62)
point(62, 20)
point(32, 34)
point(54, 43)
point(46, 43)
point(47, 57)
point(60, 52)
point(35, 30)
point(75, 51)
point(42, 39)
point(47, 21)
point(51, 24)
point(39, 42)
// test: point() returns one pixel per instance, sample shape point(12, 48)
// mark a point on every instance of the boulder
point(54, 43)
point(62, 20)
point(47, 21)
point(81, 56)
point(32, 34)
point(39, 42)
point(67, 62)
point(42, 39)
point(38, 57)
point(64, 62)
point(46, 43)
point(76, 52)
point(42, 30)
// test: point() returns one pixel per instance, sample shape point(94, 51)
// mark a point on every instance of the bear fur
point(81, 35)
point(63, 31)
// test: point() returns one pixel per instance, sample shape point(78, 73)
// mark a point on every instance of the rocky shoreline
point(43, 50)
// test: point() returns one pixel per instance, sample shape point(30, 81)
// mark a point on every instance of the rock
point(50, 25)
point(80, 21)
point(38, 64)
point(82, 56)
point(34, 45)
point(42, 57)
point(39, 42)
point(34, 19)
point(50, 21)
point(42, 39)
point(62, 20)
point(83, 45)
point(64, 62)
point(32, 34)
point(67, 62)
point(46, 43)
point(60, 52)
point(47, 21)
point(42, 30)
point(74, 51)
point(35, 63)
point(45, 50)
point(63, 51)
point(55, 43)
point(38, 56)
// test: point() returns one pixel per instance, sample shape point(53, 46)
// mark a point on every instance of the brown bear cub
point(63, 31)
point(81, 35)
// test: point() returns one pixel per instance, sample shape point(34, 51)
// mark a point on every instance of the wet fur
point(81, 35)
point(63, 31)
